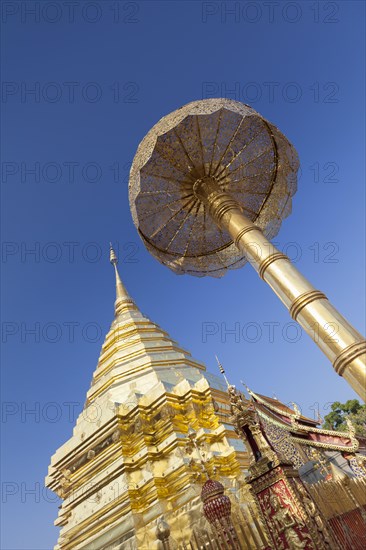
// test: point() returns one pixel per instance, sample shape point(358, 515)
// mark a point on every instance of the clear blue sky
point(98, 88)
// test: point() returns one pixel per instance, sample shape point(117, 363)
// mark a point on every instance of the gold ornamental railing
point(248, 534)
point(335, 498)
point(343, 504)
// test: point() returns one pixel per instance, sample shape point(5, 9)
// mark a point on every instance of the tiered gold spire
point(125, 463)
point(123, 299)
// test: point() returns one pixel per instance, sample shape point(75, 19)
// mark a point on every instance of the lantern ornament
point(216, 505)
point(217, 510)
point(209, 186)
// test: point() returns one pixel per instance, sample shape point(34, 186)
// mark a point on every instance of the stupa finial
point(123, 299)
point(112, 255)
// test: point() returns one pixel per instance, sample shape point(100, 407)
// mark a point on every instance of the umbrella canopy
point(218, 138)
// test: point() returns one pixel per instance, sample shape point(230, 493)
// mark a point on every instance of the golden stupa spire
point(123, 299)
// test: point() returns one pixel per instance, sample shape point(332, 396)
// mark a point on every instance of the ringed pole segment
point(209, 187)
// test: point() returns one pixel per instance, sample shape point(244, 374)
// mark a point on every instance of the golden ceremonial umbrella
point(209, 186)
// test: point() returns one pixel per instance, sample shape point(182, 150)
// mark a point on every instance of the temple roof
point(280, 408)
point(303, 430)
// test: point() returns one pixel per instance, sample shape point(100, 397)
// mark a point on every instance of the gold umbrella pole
point(344, 346)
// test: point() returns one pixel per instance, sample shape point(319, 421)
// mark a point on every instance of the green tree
point(336, 419)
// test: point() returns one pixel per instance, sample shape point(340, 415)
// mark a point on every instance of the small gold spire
point(222, 370)
point(246, 387)
point(123, 299)
point(296, 409)
point(319, 418)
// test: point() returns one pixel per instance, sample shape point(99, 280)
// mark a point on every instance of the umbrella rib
point(166, 204)
point(201, 146)
point(217, 255)
point(239, 153)
point(228, 145)
point(192, 226)
point(266, 172)
point(251, 160)
point(247, 191)
point(221, 180)
point(148, 193)
point(204, 240)
point(165, 178)
point(249, 210)
point(257, 157)
point(215, 143)
point(186, 153)
point(180, 226)
point(169, 161)
point(222, 238)
point(171, 218)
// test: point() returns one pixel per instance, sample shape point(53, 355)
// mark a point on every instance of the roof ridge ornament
point(297, 411)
